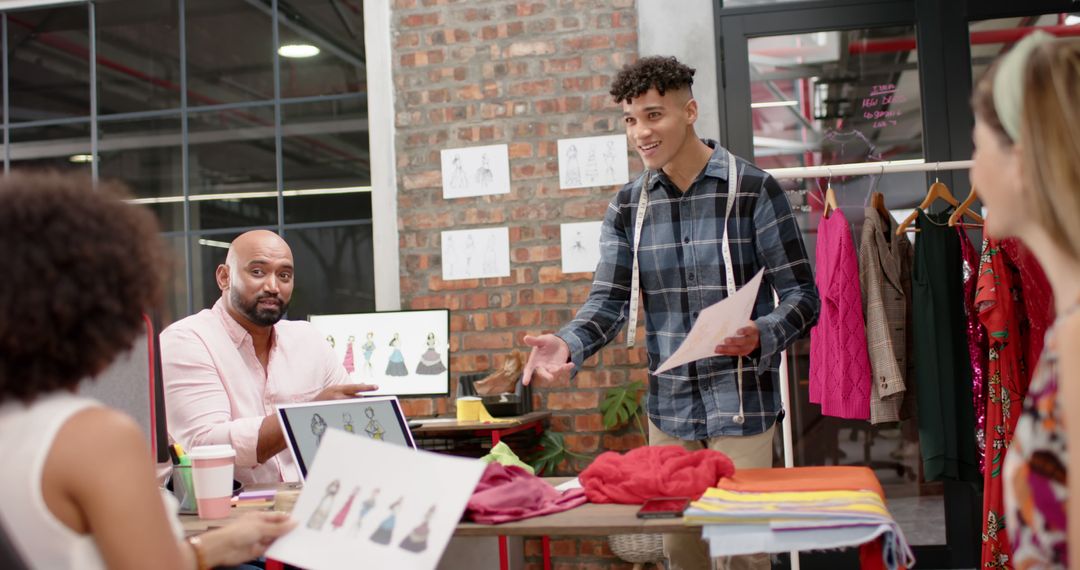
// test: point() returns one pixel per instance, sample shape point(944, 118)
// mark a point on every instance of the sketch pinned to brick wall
point(472, 254)
point(580, 247)
point(475, 171)
point(593, 161)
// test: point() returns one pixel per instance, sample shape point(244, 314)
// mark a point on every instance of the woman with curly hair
point(78, 487)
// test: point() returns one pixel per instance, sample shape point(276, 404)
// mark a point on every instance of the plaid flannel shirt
point(681, 268)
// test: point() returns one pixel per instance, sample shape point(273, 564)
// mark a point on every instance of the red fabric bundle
point(510, 493)
point(653, 471)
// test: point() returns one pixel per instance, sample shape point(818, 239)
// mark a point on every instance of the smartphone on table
point(663, 508)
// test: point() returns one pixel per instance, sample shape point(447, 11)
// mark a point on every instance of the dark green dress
point(942, 365)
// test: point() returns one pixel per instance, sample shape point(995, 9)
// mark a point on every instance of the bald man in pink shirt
point(225, 368)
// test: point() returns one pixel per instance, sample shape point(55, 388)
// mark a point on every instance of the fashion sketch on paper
point(416, 541)
point(369, 349)
point(396, 366)
point(343, 513)
point(318, 428)
point(365, 508)
point(373, 429)
point(385, 531)
point(350, 360)
point(318, 518)
point(431, 361)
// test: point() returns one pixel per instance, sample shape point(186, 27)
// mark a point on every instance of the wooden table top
point(587, 520)
point(450, 424)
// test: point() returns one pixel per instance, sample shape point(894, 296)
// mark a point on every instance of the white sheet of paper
point(593, 161)
point(580, 246)
point(474, 254)
point(475, 171)
point(714, 324)
point(359, 525)
point(574, 483)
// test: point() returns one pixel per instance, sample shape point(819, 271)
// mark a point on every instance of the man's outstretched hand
point(344, 391)
point(548, 360)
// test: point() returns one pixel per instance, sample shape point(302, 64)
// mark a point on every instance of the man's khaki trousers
point(689, 552)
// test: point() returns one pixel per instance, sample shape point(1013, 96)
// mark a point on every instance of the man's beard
point(263, 317)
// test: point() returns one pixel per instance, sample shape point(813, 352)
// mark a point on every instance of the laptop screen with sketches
point(379, 418)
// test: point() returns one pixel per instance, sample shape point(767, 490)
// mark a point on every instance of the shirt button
point(686, 240)
point(690, 277)
point(695, 314)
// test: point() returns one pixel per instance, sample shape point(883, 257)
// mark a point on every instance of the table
point(587, 520)
point(450, 426)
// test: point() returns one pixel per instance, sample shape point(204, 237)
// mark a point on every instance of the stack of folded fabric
point(801, 508)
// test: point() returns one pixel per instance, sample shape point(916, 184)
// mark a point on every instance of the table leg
point(545, 541)
point(504, 555)
point(495, 437)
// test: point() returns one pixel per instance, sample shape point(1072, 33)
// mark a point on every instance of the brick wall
point(525, 74)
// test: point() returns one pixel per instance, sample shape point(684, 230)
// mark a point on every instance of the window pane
point(220, 68)
point(138, 46)
point(48, 54)
point(337, 30)
point(232, 169)
point(326, 159)
point(991, 38)
point(175, 306)
point(841, 97)
point(334, 270)
point(207, 252)
point(63, 147)
point(146, 155)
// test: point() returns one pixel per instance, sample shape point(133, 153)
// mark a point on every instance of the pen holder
point(183, 488)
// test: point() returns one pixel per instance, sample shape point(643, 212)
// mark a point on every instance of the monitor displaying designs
point(406, 353)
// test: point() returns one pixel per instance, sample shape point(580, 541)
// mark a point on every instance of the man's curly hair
point(82, 268)
point(665, 73)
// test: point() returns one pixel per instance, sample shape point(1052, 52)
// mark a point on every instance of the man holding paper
point(691, 246)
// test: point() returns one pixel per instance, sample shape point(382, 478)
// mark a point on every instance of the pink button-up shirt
point(217, 391)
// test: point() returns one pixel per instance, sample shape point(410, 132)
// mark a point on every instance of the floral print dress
point(1035, 473)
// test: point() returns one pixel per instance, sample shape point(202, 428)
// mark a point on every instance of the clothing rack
point(861, 168)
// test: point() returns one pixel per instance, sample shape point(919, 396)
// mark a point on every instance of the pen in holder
point(183, 488)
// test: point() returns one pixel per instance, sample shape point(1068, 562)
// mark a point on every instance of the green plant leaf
point(620, 404)
point(552, 452)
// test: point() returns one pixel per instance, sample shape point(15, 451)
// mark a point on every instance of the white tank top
point(26, 437)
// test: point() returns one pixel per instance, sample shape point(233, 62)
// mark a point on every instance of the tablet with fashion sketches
point(379, 418)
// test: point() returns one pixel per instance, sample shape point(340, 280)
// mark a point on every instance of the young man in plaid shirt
point(729, 402)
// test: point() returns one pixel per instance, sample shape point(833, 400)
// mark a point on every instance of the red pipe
point(1008, 35)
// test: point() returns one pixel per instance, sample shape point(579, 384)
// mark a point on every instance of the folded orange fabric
point(827, 478)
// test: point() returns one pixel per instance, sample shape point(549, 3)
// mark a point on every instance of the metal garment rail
point(884, 167)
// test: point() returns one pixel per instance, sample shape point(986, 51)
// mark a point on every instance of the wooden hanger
point(964, 209)
point(877, 202)
point(830, 199)
point(938, 190)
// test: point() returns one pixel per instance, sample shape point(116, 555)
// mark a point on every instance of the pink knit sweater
point(839, 363)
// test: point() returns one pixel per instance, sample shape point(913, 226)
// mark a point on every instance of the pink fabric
point(217, 391)
point(839, 361)
point(510, 493)
point(653, 471)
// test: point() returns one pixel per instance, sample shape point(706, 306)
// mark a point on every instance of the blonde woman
point(1027, 170)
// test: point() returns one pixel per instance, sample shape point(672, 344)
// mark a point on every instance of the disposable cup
point(212, 473)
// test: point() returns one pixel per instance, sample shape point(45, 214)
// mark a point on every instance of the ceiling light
point(214, 243)
point(298, 50)
point(81, 158)
point(765, 104)
point(1072, 20)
